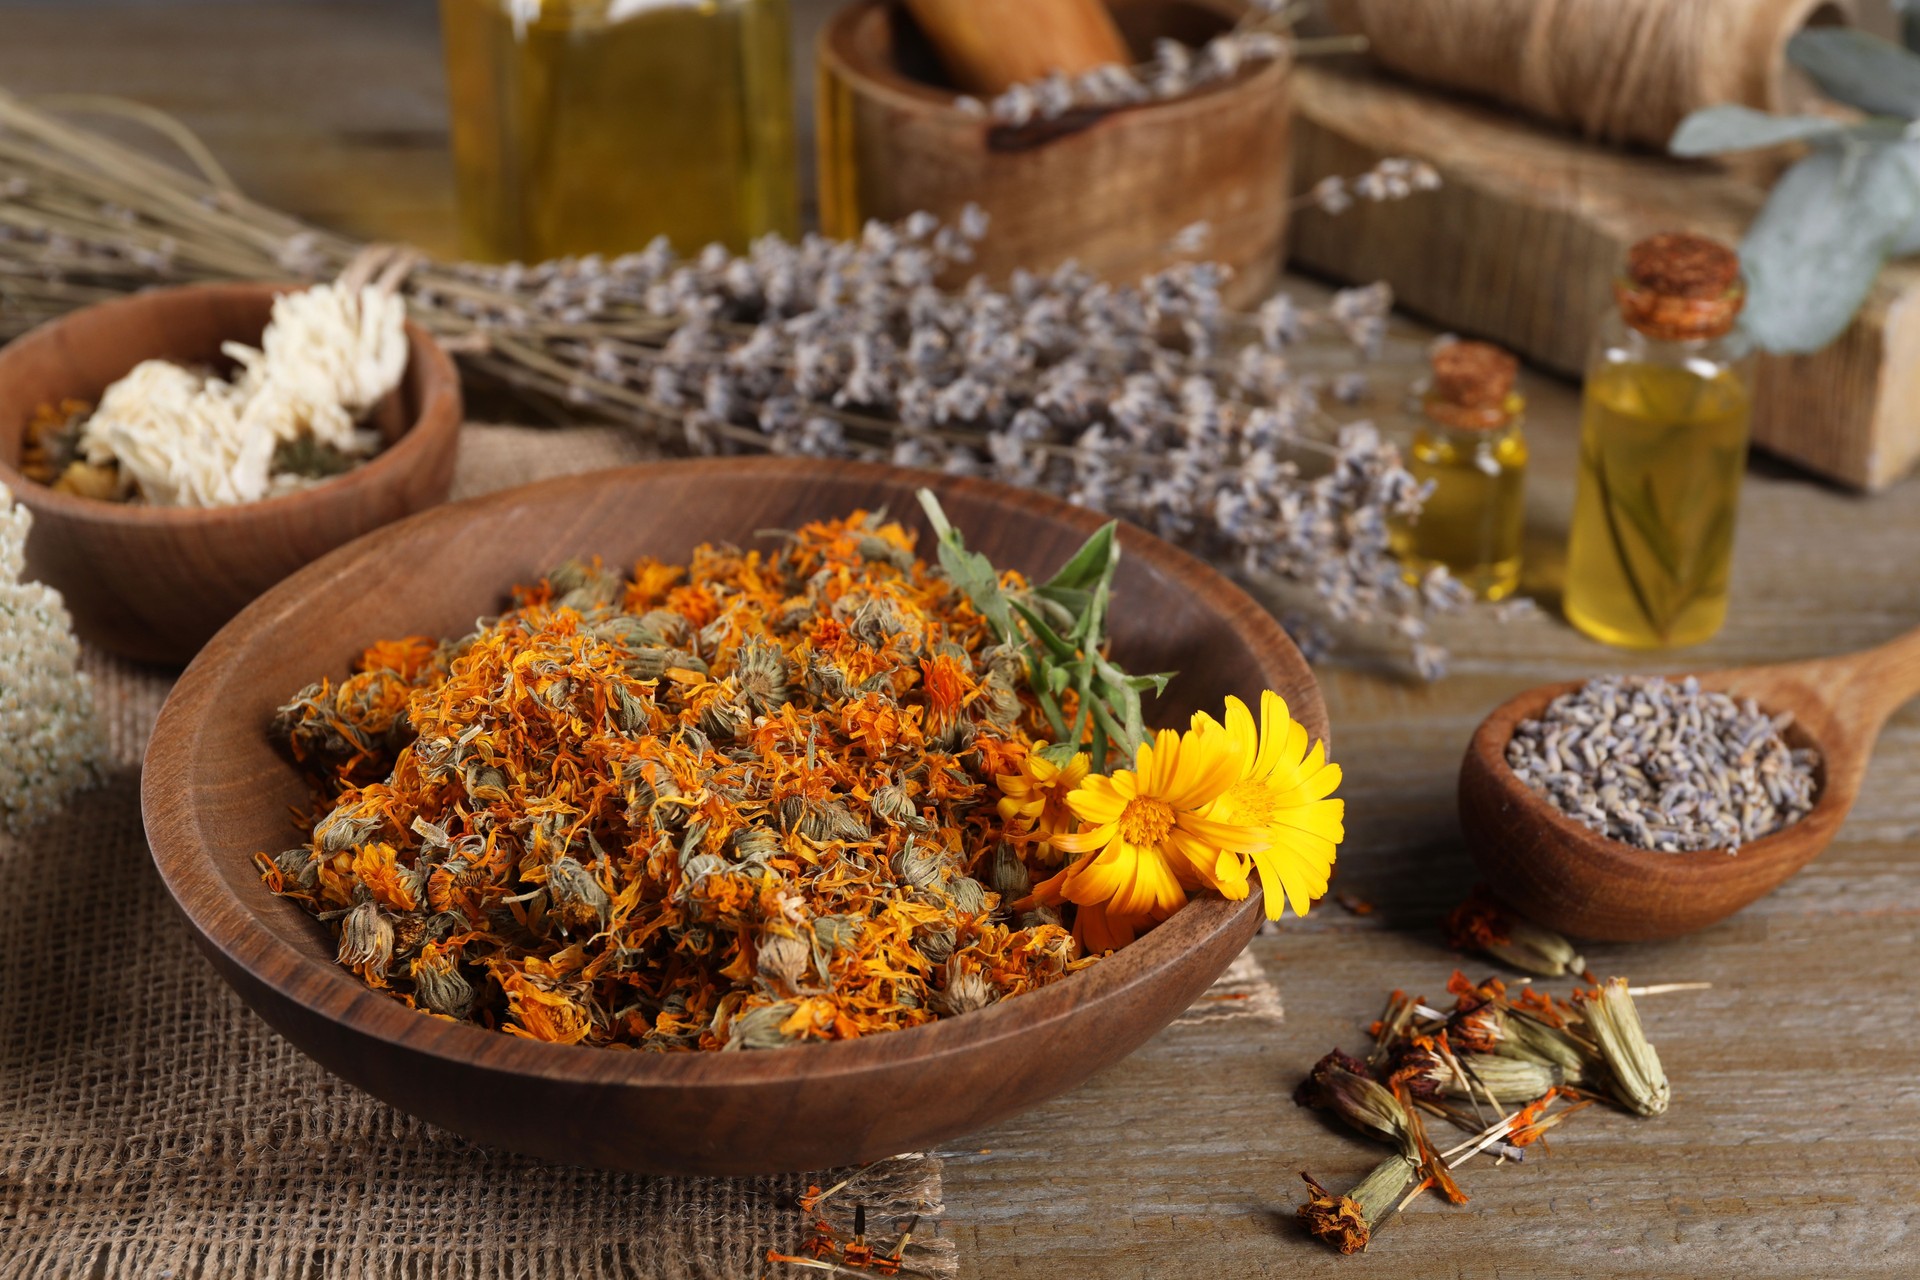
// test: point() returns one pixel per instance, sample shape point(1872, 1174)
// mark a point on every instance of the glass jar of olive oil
point(592, 126)
point(1663, 449)
point(1471, 454)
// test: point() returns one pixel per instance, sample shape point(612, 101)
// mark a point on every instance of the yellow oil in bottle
point(1475, 512)
point(1662, 452)
point(592, 126)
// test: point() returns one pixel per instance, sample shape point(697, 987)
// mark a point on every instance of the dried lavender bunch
point(1665, 766)
point(1155, 403)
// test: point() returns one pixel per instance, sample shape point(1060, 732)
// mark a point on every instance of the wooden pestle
point(988, 46)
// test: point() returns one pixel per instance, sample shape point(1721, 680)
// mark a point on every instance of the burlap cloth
point(151, 1126)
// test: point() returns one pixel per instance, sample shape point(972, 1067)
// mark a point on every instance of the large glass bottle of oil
point(1663, 450)
point(592, 126)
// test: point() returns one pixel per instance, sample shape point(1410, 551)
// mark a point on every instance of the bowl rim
point(227, 925)
point(833, 49)
point(1487, 752)
point(439, 380)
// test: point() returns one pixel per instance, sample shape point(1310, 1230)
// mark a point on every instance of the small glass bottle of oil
point(1470, 451)
point(1663, 449)
point(592, 126)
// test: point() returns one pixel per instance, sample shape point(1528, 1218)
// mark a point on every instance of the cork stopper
point(1472, 386)
point(1681, 288)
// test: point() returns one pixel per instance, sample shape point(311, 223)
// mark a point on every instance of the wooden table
point(1793, 1146)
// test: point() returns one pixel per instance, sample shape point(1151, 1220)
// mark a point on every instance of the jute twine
point(1624, 71)
point(152, 1127)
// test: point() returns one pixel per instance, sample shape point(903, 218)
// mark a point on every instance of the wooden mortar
point(971, 39)
point(1108, 189)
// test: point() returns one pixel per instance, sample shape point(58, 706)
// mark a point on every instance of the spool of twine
point(1623, 71)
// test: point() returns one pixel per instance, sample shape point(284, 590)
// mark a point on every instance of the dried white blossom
point(187, 439)
point(51, 742)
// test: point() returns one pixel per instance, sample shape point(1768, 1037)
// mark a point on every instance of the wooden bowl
point(216, 791)
point(1110, 190)
point(155, 583)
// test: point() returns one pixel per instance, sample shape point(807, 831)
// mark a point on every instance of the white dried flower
point(183, 439)
point(51, 742)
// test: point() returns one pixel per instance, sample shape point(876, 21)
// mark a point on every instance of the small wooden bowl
point(1110, 190)
point(216, 791)
point(154, 583)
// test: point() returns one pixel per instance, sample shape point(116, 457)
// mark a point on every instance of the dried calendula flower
point(1483, 924)
point(1348, 1222)
point(1484, 1077)
point(1633, 1068)
point(1343, 1085)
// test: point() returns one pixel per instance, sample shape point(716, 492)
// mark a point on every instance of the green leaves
point(972, 572)
point(1814, 252)
point(1060, 628)
point(1812, 255)
point(1716, 131)
point(1861, 70)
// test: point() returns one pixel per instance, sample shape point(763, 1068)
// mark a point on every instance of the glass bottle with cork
point(1663, 449)
point(1470, 451)
point(592, 126)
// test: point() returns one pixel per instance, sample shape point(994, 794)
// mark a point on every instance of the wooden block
point(1522, 244)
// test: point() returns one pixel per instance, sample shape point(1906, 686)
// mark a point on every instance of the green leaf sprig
point(1851, 204)
point(1060, 631)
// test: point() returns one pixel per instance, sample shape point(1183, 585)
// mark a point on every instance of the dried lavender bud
point(1635, 1075)
point(1665, 766)
point(1348, 1222)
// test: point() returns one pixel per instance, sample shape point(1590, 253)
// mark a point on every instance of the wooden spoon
point(1564, 875)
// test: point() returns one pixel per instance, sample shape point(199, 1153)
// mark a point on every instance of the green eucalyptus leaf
point(1861, 70)
point(1813, 254)
point(1713, 131)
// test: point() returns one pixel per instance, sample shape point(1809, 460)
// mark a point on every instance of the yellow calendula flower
point(1148, 834)
point(1034, 800)
point(1285, 790)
